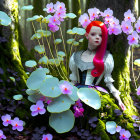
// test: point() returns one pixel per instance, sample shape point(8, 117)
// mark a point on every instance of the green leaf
point(60, 104)
point(34, 98)
point(36, 36)
point(18, 97)
point(36, 17)
point(44, 69)
point(111, 127)
point(36, 78)
point(4, 19)
point(46, 19)
point(89, 97)
point(54, 61)
point(57, 41)
point(62, 122)
point(81, 31)
point(69, 31)
point(70, 41)
point(71, 15)
point(50, 88)
point(75, 43)
point(30, 63)
point(12, 78)
point(44, 33)
point(81, 40)
point(31, 92)
point(28, 7)
point(61, 54)
point(40, 49)
point(137, 62)
point(43, 60)
point(45, 9)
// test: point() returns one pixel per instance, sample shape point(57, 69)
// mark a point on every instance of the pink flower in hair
point(116, 29)
point(50, 8)
point(84, 20)
point(127, 27)
point(128, 16)
point(133, 39)
point(93, 13)
point(107, 13)
point(137, 26)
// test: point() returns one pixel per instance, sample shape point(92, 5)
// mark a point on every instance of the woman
point(88, 67)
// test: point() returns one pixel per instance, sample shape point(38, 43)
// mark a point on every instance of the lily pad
point(137, 62)
point(60, 104)
point(71, 15)
point(36, 78)
point(111, 127)
point(54, 61)
point(4, 19)
point(43, 60)
point(61, 54)
point(28, 7)
point(62, 122)
point(50, 88)
point(40, 49)
point(75, 43)
point(36, 36)
point(79, 31)
point(81, 40)
point(44, 33)
point(30, 63)
point(36, 17)
point(58, 41)
point(18, 97)
point(70, 41)
point(69, 31)
point(89, 97)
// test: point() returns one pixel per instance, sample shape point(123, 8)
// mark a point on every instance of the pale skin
point(94, 40)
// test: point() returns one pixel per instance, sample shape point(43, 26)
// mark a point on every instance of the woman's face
point(94, 37)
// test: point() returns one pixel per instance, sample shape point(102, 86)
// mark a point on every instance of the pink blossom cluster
point(59, 11)
point(78, 109)
point(124, 134)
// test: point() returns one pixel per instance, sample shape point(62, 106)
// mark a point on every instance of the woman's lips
point(97, 41)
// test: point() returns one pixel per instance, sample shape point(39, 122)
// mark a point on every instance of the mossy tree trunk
point(12, 53)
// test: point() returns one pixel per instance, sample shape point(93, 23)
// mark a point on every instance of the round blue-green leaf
point(69, 31)
point(71, 15)
point(50, 88)
point(46, 19)
point(137, 62)
point(36, 78)
point(57, 41)
point(36, 36)
point(30, 63)
point(74, 95)
point(60, 104)
point(89, 97)
point(28, 7)
point(74, 30)
point(81, 31)
point(31, 92)
point(36, 17)
point(27, 73)
point(75, 43)
point(62, 122)
point(49, 76)
point(34, 98)
point(81, 40)
point(54, 61)
point(18, 97)
point(70, 41)
point(111, 127)
point(40, 49)
point(61, 54)
point(43, 60)
point(44, 69)
point(4, 19)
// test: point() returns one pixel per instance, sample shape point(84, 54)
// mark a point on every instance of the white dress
point(76, 63)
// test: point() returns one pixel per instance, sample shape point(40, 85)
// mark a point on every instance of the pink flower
point(84, 20)
point(127, 27)
point(133, 39)
point(50, 8)
point(66, 88)
point(47, 137)
point(53, 27)
point(93, 13)
point(114, 21)
point(45, 99)
point(60, 14)
point(54, 20)
point(124, 135)
point(108, 20)
point(107, 13)
point(118, 128)
point(128, 16)
point(78, 112)
point(59, 6)
point(78, 103)
point(6, 119)
point(2, 136)
point(38, 108)
point(138, 91)
point(17, 124)
point(137, 26)
point(116, 29)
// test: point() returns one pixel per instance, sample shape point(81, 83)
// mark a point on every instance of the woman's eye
point(92, 34)
point(100, 35)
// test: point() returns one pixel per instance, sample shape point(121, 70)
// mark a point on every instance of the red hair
point(100, 52)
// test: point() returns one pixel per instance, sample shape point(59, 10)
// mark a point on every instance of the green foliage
point(4, 19)
point(28, 8)
point(18, 97)
point(30, 63)
point(111, 127)
point(137, 62)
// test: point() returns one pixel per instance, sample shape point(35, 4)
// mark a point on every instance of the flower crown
point(113, 25)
